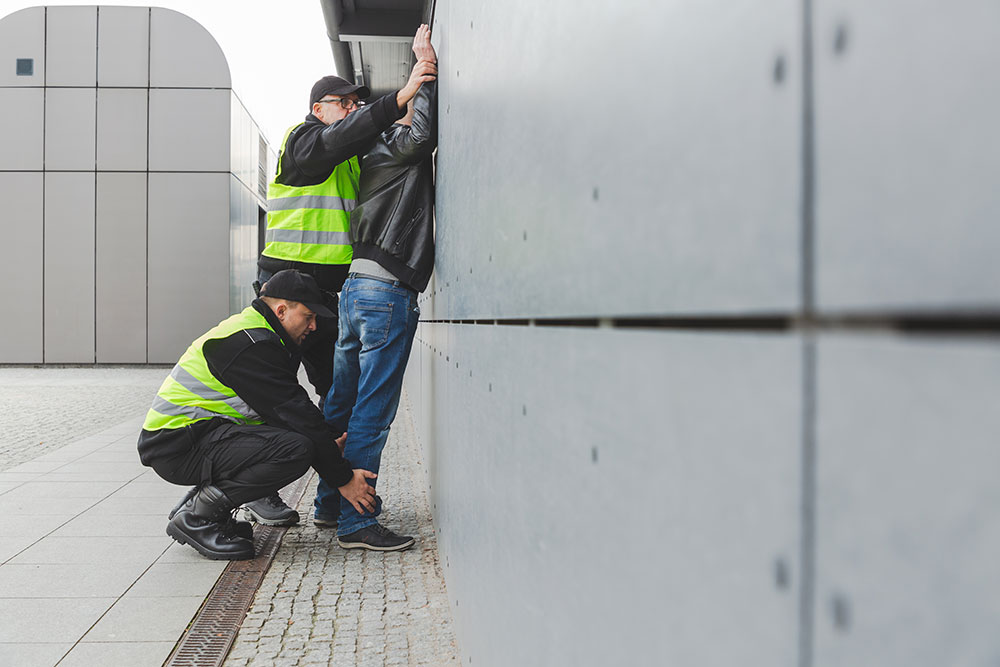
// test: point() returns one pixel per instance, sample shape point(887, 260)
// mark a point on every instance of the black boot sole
point(179, 536)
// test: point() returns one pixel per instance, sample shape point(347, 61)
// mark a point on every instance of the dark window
point(25, 66)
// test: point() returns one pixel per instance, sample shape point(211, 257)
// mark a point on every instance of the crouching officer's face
point(297, 319)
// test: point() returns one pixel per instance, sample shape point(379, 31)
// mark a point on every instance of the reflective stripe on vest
point(312, 223)
point(191, 393)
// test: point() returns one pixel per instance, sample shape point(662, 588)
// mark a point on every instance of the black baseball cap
point(334, 85)
point(296, 286)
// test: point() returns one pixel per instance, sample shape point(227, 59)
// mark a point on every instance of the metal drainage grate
point(207, 640)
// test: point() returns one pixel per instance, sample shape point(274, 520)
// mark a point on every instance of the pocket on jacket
point(374, 320)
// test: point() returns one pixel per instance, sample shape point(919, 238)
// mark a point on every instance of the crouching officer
point(232, 419)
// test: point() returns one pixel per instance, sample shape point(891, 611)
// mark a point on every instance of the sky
point(276, 50)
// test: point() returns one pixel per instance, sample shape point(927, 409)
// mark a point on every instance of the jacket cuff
point(331, 466)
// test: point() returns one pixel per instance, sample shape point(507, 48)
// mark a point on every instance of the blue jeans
point(377, 322)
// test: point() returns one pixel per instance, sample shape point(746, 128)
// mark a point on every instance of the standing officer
point(309, 206)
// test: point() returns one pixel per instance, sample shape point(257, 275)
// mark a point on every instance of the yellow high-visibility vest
point(191, 393)
point(312, 223)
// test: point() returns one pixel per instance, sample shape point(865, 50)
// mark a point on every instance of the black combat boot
point(242, 528)
point(203, 523)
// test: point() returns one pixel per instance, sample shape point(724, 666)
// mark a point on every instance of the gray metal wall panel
point(908, 154)
point(71, 46)
point(22, 114)
point(70, 128)
point(22, 35)
point(21, 194)
point(907, 528)
point(191, 130)
point(123, 46)
point(188, 260)
point(121, 129)
point(121, 268)
point(685, 170)
point(183, 54)
point(69, 267)
point(595, 505)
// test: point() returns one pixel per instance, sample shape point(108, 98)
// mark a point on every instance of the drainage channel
point(207, 641)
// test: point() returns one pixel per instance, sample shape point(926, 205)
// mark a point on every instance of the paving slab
point(34, 654)
point(178, 579)
point(67, 580)
point(132, 654)
point(146, 619)
point(94, 549)
point(32, 620)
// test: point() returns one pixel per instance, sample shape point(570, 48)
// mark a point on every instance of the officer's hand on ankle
point(358, 492)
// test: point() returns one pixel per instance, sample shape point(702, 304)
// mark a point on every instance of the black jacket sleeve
point(314, 149)
point(413, 144)
point(262, 376)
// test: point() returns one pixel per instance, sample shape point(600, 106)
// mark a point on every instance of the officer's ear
point(280, 309)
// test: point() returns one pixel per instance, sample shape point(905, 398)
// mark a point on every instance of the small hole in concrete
point(593, 454)
point(597, 194)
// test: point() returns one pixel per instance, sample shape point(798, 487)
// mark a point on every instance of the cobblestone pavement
point(320, 604)
point(42, 409)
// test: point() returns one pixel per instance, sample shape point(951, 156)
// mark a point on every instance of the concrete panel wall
point(555, 482)
point(70, 128)
point(908, 536)
point(91, 124)
point(21, 193)
point(122, 129)
point(187, 252)
point(69, 267)
point(123, 47)
point(707, 111)
point(182, 54)
point(23, 36)
point(121, 268)
point(22, 134)
point(71, 47)
point(769, 435)
point(917, 126)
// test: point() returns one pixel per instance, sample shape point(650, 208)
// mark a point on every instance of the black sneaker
point(270, 511)
point(375, 538)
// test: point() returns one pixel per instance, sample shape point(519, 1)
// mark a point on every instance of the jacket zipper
point(406, 230)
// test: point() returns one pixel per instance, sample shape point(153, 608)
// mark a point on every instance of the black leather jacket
point(393, 223)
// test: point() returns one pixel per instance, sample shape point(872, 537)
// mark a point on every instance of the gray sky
point(276, 50)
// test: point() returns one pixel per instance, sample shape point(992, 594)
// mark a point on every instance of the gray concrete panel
point(121, 268)
point(69, 267)
point(183, 54)
point(123, 46)
point(22, 114)
point(907, 535)
point(121, 129)
point(192, 130)
point(70, 128)
point(686, 170)
point(908, 154)
point(22, 36)
point(595, 505)
point(188, 260)
point(22, 266)
point(71, 46)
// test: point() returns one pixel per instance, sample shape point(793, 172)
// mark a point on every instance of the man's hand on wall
point(422, 48)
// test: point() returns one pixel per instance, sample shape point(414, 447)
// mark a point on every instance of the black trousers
point(245, 462)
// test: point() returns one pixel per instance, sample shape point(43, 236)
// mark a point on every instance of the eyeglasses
point(345, 102)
